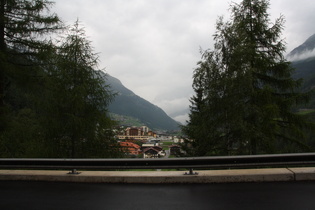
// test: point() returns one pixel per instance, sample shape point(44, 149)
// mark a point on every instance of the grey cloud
point(152, 46)
point(304, 55)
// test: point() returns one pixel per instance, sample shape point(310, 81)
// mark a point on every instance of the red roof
point(131, 148)
point(129, 144)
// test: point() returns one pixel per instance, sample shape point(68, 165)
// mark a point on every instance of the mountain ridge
point(303, 51)
point(304, 67)
point(127, 103)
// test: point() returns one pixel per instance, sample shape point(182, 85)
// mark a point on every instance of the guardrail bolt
point(191, 172)
point(74, 171)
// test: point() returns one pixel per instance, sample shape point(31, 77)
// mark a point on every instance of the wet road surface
point(77, 196)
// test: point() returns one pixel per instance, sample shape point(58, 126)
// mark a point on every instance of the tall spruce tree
point(247, 90)
point(77, 100)
point(24, 25)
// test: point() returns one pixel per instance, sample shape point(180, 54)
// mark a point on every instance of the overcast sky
point(152, 46)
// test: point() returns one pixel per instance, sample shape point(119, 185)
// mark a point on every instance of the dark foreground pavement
point(77, 196)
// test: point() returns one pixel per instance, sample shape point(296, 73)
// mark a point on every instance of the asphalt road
point(77, 196)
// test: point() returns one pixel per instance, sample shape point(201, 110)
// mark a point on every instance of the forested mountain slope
point(129, 104)
point(303, 61)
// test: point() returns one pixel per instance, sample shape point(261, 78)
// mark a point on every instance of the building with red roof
point(130, 148)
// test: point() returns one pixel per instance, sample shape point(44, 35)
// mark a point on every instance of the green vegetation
point(76, 100)
point(305, 70)
point(244, 89)
point(138, 108)
point(126, 120)
point(166, 144)
point(53, 100)
point(306, 112)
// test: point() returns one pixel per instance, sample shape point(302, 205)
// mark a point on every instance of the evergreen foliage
point(244, 90)
point(53, 103)
point(76, 101)
point(22, 30)
point(23, 27)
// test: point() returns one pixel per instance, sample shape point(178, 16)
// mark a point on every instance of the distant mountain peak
point(127, 103)
point(304, 51)
point(310, 41)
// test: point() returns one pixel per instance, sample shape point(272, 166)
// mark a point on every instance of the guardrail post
point(191, 172)
point(74, 171)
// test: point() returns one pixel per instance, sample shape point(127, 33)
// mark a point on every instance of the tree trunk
point(2, 52)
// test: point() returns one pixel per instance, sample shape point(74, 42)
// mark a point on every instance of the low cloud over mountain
point(304, 51)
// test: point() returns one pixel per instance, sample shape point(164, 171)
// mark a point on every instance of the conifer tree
point(247, 105)
point(77, 101)
point(23, 26)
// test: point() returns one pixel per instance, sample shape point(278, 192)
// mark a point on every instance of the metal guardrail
point(213, 162)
